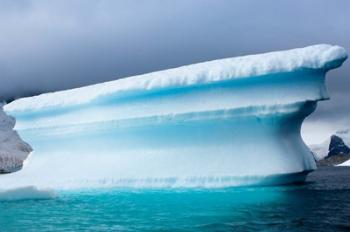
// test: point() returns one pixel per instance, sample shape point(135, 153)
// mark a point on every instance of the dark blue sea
point(320, 204)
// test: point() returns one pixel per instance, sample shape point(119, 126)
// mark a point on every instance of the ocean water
point(322, 203)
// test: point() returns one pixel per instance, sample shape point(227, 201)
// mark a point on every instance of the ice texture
point(321, 56)
point(228, 122)
point(13, 151)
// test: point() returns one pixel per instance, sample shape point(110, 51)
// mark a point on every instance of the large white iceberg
point(226, 122)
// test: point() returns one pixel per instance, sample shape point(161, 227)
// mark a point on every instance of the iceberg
point(228, 122)
point(13, 151)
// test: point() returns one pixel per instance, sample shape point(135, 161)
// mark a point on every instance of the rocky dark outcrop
point(333, 160)
point(338, 152)
point(337, 147)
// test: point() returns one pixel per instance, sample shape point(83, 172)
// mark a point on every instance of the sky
point(54, 45)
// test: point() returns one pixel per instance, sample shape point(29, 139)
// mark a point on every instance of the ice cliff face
point(227, 122)
point(13, 151)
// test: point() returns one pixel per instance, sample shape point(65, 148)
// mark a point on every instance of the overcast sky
point(55, 45)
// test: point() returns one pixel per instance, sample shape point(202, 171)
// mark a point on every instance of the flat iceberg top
point(322, 56)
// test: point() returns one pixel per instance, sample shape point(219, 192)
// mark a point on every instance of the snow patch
point(346, 163)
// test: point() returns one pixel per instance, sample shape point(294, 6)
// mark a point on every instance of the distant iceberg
point(228, 122)
point(13, 151)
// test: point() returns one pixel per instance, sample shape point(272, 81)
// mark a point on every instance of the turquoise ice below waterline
point(321, 204)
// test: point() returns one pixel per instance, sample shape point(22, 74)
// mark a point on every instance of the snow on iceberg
point(228, 122)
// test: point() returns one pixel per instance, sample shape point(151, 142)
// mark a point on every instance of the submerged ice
point(226, 122)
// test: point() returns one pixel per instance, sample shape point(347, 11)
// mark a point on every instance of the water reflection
point(321, 204)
